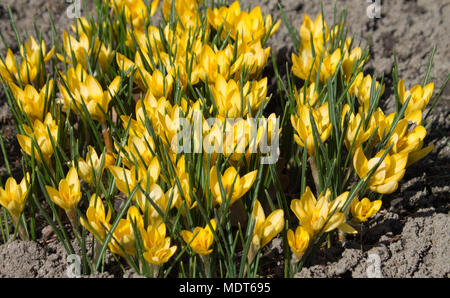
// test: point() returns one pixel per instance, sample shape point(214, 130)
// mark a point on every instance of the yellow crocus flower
point(313, 213)
point(362, 210)
point(361, 89)
point(356, 134)
point(126, 179)
point(97, 220)
point(68, 194)
point(93, 163)
point(157, 246)
point(311, 95)
point(26, 72)
point(123, 240)
point(31, 101)
point(318, 29)
point(248, 27)
point(418, 102)
point(135, 11)
point(298, 242)
point(81, 87)
point(40, 132)
point(12, 197)
point(303, 127)
point(386, 177)
point(201, 239)
point(266, 228)
point(230, 176)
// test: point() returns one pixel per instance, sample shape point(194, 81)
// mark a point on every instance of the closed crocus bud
point(298, 242)
point(362, 210)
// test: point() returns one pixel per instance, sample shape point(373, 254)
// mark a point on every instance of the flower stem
point(23, 235)
point(107, 138)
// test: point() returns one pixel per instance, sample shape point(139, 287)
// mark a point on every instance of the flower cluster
point(152, 135)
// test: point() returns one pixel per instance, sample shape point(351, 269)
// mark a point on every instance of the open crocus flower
point(266, 228)
point(26, 72)
point(68, 194)
point(361, 89)
point(82, 88)
point(93, 164)
point(303, 127)
point(249, 27)
point(44, 133)
point(356, 133)
point(97, 220)
point(135, 11)
point(123, 241)
point(157, 246)
point(83, 48)
point(404, 140)
point(230, 178)
point(313, 213)
point(362, 210)
point(298, 242)
point(386, 177)
point(317, 29)
point(32, 102)
point(311, 95)
point(418, 102)
point(12, 197)
point(201, 239)
point(212, 62)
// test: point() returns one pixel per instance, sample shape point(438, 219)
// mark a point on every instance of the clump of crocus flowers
point(144, 134)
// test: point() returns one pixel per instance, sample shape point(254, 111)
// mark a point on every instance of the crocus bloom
point(44, 133)
point(31, 101)
point(386, 177)
point(230, 176)
point(266, 228)
point(303, 126)
point(418, 102)
point(12, 197)
point(97, 220)
point(123, 240)
point(313, 213)
point(298, 242)
point(362, 210)
point(201, 239)
point(157, 246)
point(68, 194)
point(92, 164)
point(83, 88)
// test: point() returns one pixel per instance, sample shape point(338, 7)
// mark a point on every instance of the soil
point(410, 236)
